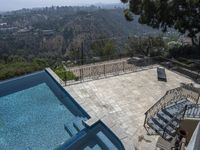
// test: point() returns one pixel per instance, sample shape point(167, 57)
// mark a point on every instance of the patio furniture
point(161, 74)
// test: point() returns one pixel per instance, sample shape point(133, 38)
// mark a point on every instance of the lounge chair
point(161, 74)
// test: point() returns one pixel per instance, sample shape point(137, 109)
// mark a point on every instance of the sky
point(6, 5)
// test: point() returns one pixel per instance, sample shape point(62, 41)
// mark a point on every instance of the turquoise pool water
point(36, 113)
point(33, 118)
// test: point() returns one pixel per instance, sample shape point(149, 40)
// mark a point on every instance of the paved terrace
point(121, 101)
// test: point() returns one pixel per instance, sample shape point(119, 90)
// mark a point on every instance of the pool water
point(36, 113)
point(33, 118)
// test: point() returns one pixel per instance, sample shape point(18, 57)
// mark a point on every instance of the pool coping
point(115, 129)
point(56, 79)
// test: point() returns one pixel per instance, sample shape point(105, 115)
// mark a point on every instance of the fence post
point(185, 109)
point(82, 74)
point(123, 66)
point(65, 74)
point(104, 70)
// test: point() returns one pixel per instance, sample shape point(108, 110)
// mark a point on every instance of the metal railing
point(187, 91)
point(179, 116)
point(111, 67)
point(107, 69)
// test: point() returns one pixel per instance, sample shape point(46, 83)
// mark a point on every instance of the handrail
point(162, 102)
point(176, 115)
point(186, 91)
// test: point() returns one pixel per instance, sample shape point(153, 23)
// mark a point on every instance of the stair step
point(78, 125)
point(163, 118)
point(82, 118)
point(70, 129)
point(167, 113)
point(198, 113)
point(179, 105)
point(193, 112)
point(159, 130)
point(190, 111)
point(155, 126)
point(164, 115)
point(106, 141)
point(164, 123)
point(169, 130)
point(173, 111)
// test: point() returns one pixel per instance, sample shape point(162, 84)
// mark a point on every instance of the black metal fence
point(112, 67)
point(106, 69)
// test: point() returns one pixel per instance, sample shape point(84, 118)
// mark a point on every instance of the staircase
point(103, 143)
point(166, 121)
point(75, 127)
point(164, 117)
point(193, 112)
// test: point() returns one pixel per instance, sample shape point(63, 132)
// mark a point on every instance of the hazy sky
point(18, 4)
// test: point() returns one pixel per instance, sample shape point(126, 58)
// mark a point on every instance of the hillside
point(52, 32)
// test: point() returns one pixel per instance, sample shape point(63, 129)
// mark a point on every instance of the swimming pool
point(35, 113)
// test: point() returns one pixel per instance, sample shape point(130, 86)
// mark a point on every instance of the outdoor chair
point(161, 74)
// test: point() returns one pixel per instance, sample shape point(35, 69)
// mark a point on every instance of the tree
point(183, 15)
point(149, 46)
point(103, 48)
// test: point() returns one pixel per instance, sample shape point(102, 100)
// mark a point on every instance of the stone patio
point(121, 101)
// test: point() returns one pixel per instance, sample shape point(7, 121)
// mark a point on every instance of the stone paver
point(121, 101)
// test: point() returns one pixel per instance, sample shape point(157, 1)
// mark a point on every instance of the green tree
point(103, 48)
point(183, 15)
point(149, 46)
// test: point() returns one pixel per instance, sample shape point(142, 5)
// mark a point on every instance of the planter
point(182, 134)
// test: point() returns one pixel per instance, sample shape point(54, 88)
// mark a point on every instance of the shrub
point(63, 74)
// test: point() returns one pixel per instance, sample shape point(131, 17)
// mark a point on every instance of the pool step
point(106, 141)
point(97, 147)
point(87, 148)
point(78, 125)
point(70, 129)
